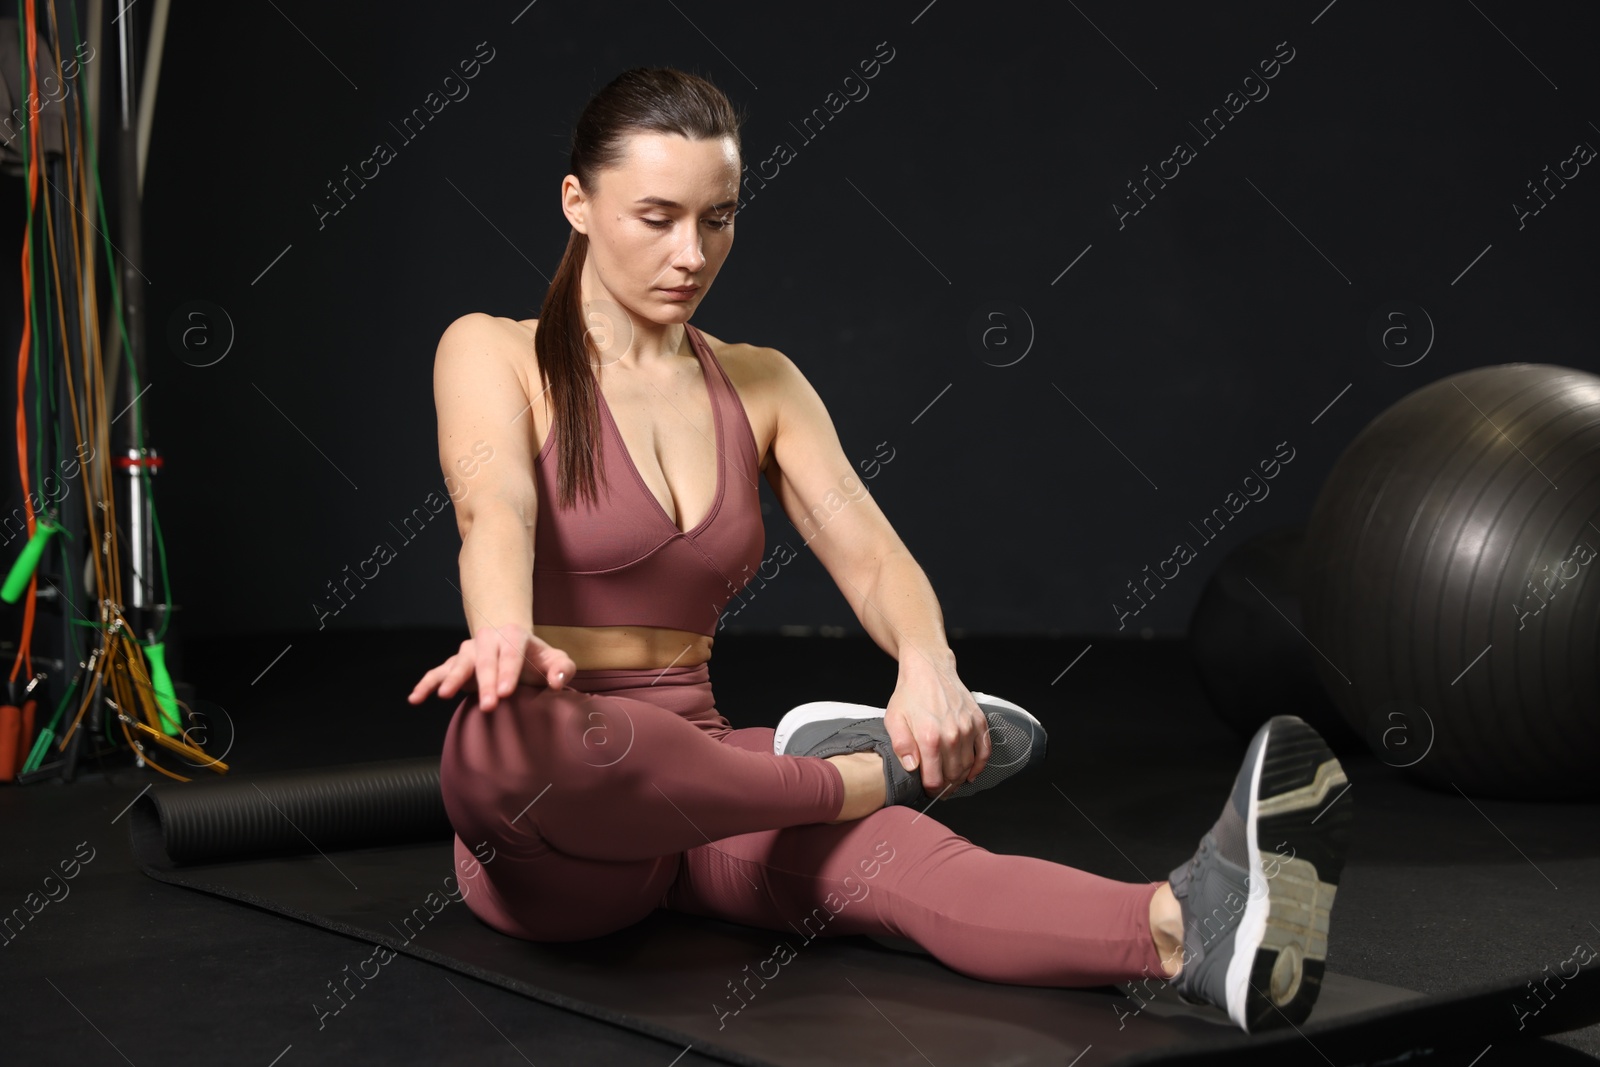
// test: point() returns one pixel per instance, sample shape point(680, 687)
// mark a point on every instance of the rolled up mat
point(320, 809)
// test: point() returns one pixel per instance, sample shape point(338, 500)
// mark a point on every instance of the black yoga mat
point(365, 850)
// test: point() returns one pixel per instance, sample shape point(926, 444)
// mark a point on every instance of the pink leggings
point(630, 792)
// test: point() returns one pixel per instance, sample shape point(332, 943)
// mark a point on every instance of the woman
point(616, 516)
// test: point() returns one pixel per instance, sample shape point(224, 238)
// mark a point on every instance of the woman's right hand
point(498, 658)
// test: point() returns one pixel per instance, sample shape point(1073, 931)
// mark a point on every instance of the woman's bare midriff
point(595, 648)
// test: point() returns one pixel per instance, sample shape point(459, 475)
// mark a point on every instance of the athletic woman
point(612, 511)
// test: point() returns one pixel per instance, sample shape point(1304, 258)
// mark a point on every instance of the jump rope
point(128, 674)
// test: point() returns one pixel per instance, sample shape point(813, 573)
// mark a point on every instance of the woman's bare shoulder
point(484, 328)
point(496, 337)
point(478, 347)
point(747, 364)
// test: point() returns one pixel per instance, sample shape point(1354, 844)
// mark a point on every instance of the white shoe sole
point(819, 711)
point(1281, 943)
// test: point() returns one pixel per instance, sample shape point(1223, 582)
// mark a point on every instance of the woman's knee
point(510, 737)
point(536, 737)
point(489, 756)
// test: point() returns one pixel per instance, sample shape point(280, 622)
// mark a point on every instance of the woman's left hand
point(932, 718)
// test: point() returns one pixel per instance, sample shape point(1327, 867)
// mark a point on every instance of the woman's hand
point(933, 719)
point(499, 658)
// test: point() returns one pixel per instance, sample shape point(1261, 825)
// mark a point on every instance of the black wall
point(1227, 321)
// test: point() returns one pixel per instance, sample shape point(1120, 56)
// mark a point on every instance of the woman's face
point(661, 220)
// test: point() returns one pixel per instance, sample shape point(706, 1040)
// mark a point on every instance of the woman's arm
point(933, 720)
point(486, 453)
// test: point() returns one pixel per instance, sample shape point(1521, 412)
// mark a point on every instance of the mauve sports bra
point(623, 561)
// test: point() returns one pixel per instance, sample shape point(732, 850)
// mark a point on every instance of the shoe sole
point(1298, 829)
point(818, 711)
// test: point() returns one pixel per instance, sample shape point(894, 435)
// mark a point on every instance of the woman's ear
point(574, 204)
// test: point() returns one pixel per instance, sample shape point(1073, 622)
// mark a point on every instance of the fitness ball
point(1449, 584)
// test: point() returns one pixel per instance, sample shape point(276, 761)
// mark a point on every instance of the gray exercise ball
point(1450, 589)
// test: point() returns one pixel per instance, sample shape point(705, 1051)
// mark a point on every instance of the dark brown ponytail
point(657, 100)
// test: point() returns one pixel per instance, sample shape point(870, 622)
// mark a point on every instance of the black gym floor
point(1441, 892)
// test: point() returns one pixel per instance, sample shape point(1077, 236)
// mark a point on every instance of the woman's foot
point(819, 711)
point(1255, 899)
point(1016, 741)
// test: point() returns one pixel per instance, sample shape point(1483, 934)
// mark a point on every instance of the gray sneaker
point(1256, 896)
point(1016, 741)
